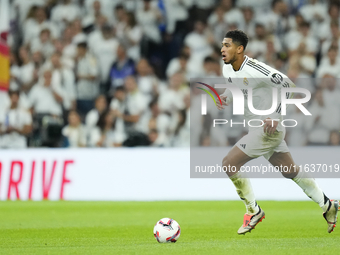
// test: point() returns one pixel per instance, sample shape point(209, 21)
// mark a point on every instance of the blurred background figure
point(15, 124)
point(87, 82)
point(134, 60)
point(75, 132)
point(120, 69)
point(106, 134)
point(92, 116)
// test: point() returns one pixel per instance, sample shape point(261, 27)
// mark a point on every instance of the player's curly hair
point(238, 37)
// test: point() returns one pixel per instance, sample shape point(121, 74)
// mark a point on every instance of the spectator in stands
point(334, 40)
point(78, 35)
point(130, 34)
point(249, 23)
point(177, 12)
point(14, 66)
point(324, 31)
point(178, 64)
point(95, 14)
point(325, 117)
point(92, 116)
point(231, 15)
point(172, 98)
point(257, 47)
point(155, 139)
point(38, 59)
point(75, 132)
point(26, 9)
point(33, 26)
point(218, 24)
point(148, 17)
point(331, 92)
point(146, 79)
point(297, 73)
point(294, 22)
point(315, 13)
point(297, 136)
point(185, 63)
point(46, 35)
point(201, 9)
point(301, 40)
point(135, 105)
point(122, 68)
point(119, 12)
point(28, 75)
point(106, 7)
point(93, 8)
point(43, 43)
point(106, 134)
point(199, 41)
point(65, 77)
point(155, 119)
point(87, 82)
point(69, 49)
point(46, 97)
point(118, 105)
point(97, 34)
point(181, 136)
point(330, 64)
point(272, 53)
point(15, 124)
point(276, 20)
point(212, 68)
point(259, 6)
point(65, 13)
point(105, 51)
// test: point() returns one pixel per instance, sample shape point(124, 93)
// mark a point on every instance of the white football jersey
point(261, 78)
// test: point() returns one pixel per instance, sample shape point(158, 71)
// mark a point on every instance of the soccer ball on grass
point(167, 230)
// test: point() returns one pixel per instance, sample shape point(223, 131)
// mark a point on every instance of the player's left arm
point(277, 80)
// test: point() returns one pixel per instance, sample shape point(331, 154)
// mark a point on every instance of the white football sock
point(245, 191)
point(312, 190)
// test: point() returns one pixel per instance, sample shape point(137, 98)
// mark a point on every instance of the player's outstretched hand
point(270, 126)
point(218, 104)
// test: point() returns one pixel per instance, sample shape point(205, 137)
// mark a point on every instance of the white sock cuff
point(236, 176)
point(301, 174)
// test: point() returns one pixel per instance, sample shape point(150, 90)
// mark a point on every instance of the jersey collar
point(246, 58)
point(243, 63)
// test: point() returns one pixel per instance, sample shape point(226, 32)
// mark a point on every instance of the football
point(167, 230)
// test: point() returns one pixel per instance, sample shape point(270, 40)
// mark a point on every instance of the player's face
point(228, 51)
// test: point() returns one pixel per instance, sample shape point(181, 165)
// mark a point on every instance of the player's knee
point(289, 174)
point(228, 166)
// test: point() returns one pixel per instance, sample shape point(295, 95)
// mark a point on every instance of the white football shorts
point(257, 143)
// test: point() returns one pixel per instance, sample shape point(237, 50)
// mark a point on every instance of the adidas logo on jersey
point(229, 80)
point(243, 146)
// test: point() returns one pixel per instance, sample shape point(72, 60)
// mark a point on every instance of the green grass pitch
point(127, 228)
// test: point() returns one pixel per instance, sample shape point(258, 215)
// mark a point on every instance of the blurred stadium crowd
point(106, 73)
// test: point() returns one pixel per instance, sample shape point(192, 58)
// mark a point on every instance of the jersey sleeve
point(278, 80)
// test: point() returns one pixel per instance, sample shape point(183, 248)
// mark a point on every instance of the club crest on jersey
point(245, 81)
